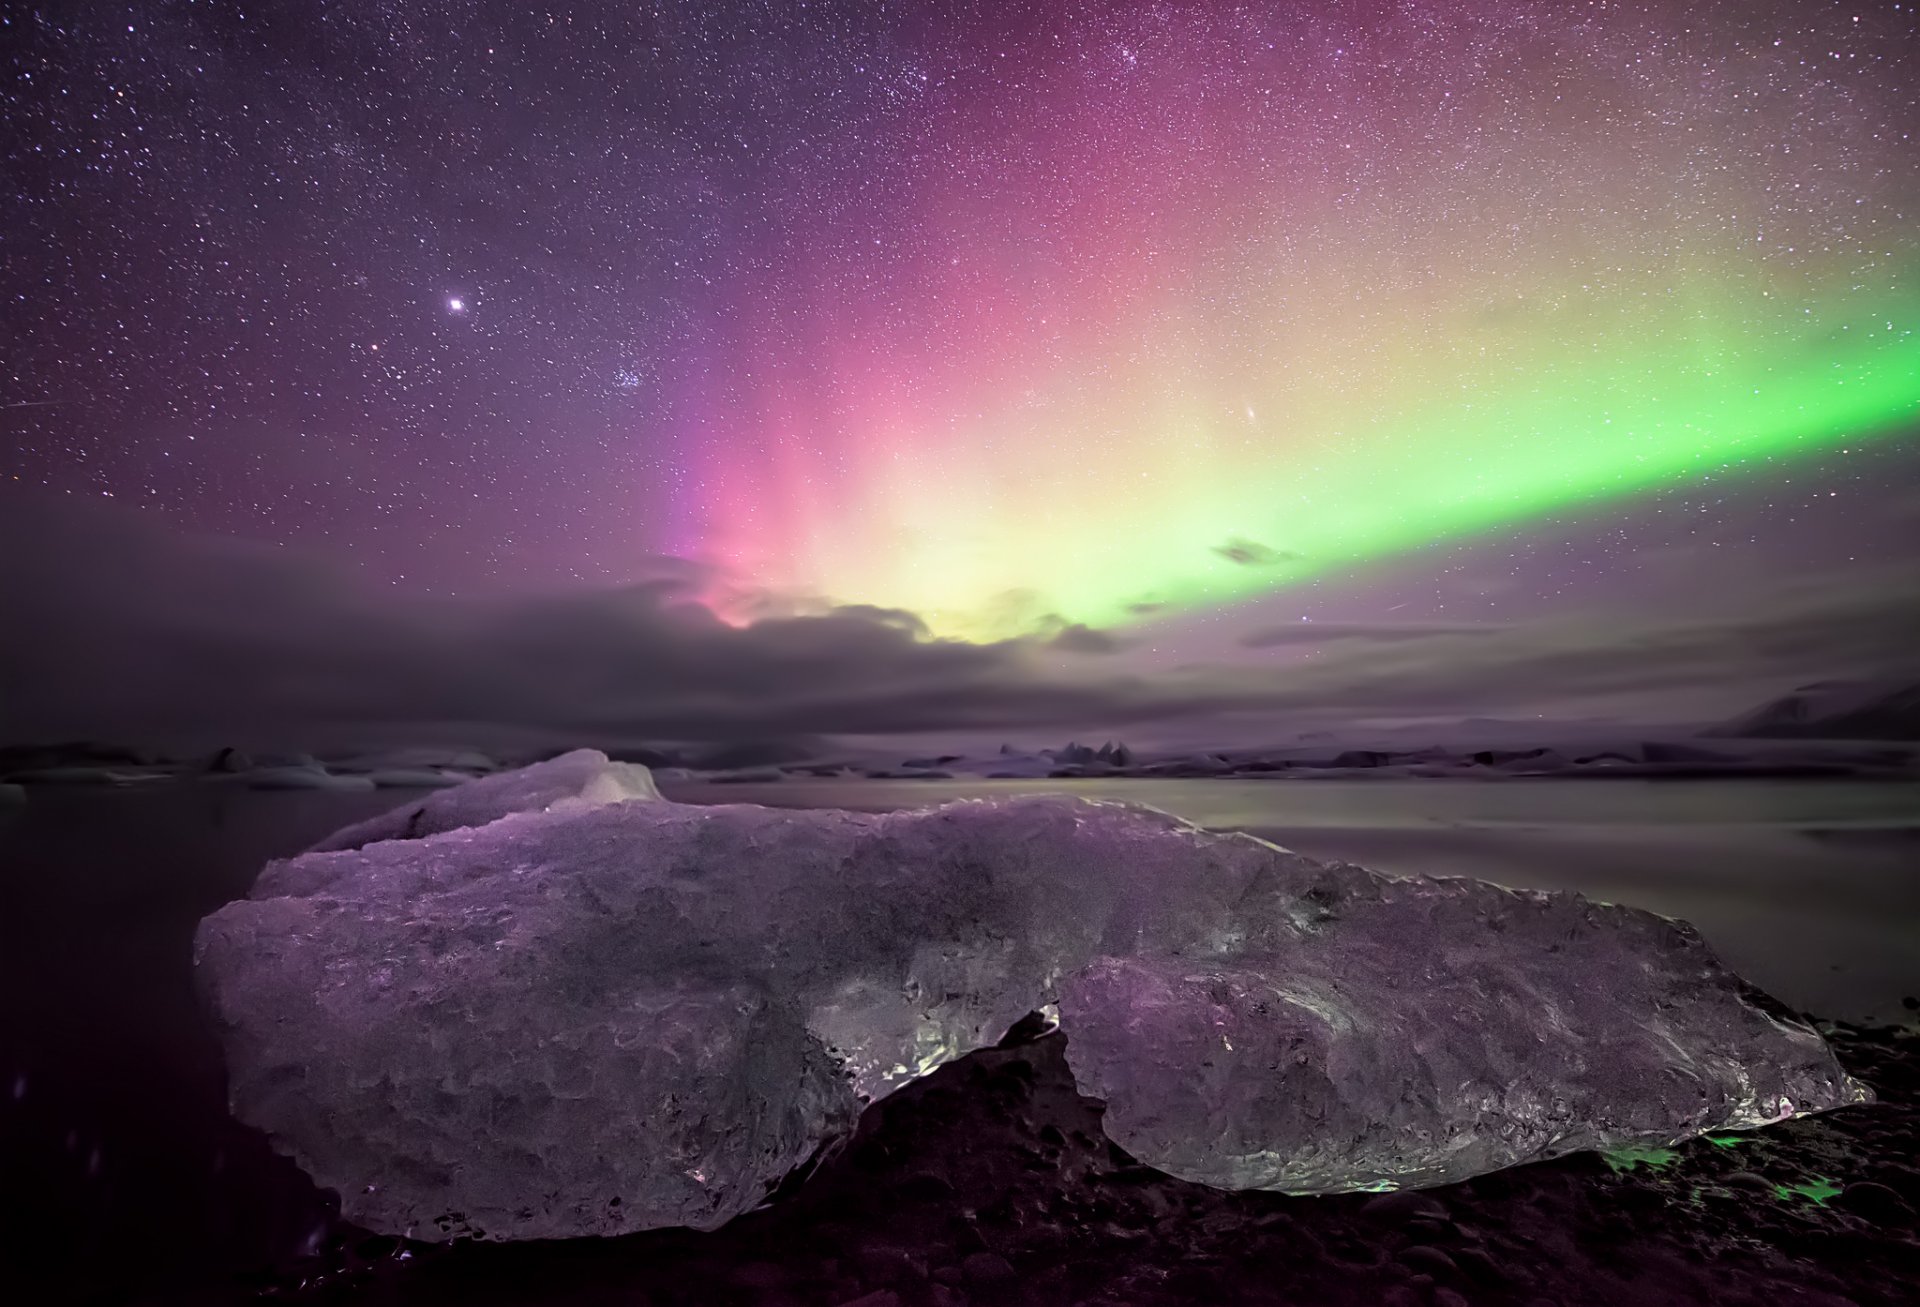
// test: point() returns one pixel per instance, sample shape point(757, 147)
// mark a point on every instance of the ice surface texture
point(596, 1019)
point(581, 779)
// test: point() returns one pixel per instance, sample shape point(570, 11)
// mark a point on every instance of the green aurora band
point(1259, 301)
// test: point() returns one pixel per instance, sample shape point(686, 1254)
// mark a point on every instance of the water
point(122, 1166)
point(120, 1158)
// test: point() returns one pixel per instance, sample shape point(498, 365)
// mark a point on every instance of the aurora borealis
point(1485, 430)
point(1010, 317)
point(1230, 298)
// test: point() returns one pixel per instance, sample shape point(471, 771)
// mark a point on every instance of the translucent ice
point(583, 778)
point(1427, 1034)
point(603, 1016)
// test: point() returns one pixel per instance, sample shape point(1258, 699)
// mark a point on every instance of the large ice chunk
point(593, 1019)
point(1412, 1033)
point(583, 778)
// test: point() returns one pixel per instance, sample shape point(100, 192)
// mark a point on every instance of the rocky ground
point(989, 1182)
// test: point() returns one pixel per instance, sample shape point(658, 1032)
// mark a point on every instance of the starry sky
point(1150, 329)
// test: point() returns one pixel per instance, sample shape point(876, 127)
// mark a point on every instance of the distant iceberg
point(306, 777)
point(549, 1003)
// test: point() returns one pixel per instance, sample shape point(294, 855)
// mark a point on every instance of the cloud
point(1308, 633)
point(1251, 553)
point(1755, 642)
point(120, 630)
point(1080, 638)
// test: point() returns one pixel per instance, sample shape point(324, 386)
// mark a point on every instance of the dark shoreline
point(988, 1182)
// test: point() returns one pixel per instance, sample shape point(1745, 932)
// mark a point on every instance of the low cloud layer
point(117, 629)
point(1251, 553)
point(1079, 638)
point(1316, 633)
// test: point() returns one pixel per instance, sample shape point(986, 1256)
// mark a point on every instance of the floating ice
point(598, 1015)
point(415, 778)
point(313, 777)
point(75, 775)
point(573, 781)
point(417, 758)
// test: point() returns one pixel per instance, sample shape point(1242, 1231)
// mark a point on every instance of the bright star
point(457, 305)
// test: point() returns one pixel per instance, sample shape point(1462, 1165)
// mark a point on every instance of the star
point(457, 305)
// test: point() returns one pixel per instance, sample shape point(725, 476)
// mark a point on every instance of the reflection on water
point(114, 1137)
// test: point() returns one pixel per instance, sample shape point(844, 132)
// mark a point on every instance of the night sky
point(1116, 340)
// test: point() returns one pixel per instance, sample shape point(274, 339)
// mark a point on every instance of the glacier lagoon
point(1805, 886)
point(550, 1003)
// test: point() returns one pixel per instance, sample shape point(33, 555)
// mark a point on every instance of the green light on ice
point(1622, 1160)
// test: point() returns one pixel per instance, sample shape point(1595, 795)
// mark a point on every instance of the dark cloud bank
point(1317, 633)
point(115, 628)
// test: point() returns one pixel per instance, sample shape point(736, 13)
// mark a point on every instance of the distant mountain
point(1835, 710)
